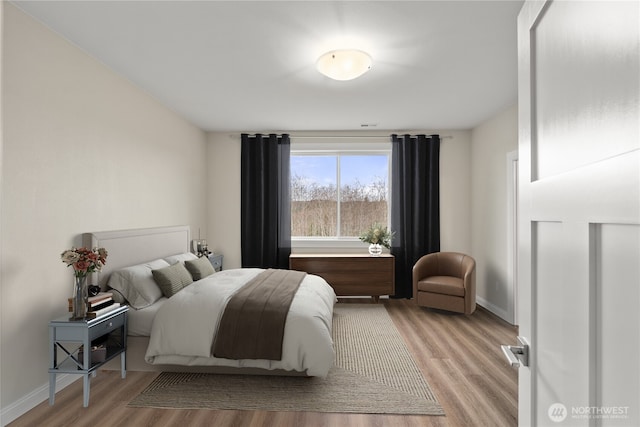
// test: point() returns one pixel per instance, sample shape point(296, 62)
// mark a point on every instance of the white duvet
point(183, 329)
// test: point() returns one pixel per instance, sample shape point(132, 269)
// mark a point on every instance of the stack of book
point(98, 304)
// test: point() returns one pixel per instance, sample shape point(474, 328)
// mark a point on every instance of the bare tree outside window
point(317, 207)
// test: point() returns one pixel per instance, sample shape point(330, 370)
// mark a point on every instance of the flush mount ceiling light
point(344, 64)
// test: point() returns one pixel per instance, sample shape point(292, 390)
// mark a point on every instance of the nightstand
point(216, 261)
point(67, 335)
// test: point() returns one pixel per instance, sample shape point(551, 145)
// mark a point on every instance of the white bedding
point(139, 321)
point(184, 326)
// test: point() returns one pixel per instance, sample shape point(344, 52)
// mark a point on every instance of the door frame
point(512, 235)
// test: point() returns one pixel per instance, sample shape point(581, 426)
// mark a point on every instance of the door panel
point(579, 120)
point(617, 255)
point(561, 327)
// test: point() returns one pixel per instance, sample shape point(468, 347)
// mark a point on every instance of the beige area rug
point(373, 374)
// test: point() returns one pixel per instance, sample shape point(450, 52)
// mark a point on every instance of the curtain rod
point(386, 137)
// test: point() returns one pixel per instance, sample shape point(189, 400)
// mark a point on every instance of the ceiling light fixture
point(344, 64)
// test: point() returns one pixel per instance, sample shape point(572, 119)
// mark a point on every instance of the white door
point(579, 228)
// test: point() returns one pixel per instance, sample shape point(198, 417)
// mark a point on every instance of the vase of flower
point(80, 297)
point(375, 249)
point(377, 236)
point(83, 261)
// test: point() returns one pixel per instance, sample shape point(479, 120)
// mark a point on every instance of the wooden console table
point(350, 274)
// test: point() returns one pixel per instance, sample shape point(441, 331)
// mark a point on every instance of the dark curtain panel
point(265, 205)
point(415, 203)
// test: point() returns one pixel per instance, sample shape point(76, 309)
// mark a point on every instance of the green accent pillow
point(199, 268)
point(172, 279)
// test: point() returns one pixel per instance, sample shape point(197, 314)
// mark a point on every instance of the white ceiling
point(250, 66)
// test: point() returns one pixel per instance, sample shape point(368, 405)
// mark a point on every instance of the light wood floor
point(459, 356)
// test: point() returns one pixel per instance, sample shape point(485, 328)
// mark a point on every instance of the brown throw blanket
point(252, 325)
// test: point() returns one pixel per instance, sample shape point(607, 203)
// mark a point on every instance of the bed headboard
point(131, 247)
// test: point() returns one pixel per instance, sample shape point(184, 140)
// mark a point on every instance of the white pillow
point(136, 283)
point(180, 258)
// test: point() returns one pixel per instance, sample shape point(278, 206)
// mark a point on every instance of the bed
point(156, 324)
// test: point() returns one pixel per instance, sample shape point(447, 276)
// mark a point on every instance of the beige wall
point(455, 192)
point(84, 150)
point(223, 156)
point(223, 178)
point(490, 143)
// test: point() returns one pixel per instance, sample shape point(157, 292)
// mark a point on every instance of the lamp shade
point(344, 64)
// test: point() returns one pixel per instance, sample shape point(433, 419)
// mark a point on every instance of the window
point(338, 194)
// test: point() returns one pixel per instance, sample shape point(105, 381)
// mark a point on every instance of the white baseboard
point(33, 399)
point(501, 313)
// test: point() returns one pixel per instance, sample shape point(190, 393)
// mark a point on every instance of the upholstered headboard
point(131, 247)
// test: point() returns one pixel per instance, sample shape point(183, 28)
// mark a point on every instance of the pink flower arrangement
point(84, 261)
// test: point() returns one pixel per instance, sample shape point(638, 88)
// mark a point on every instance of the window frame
point(328, 147)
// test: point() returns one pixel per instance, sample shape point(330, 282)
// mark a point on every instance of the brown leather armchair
point(445, 280)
